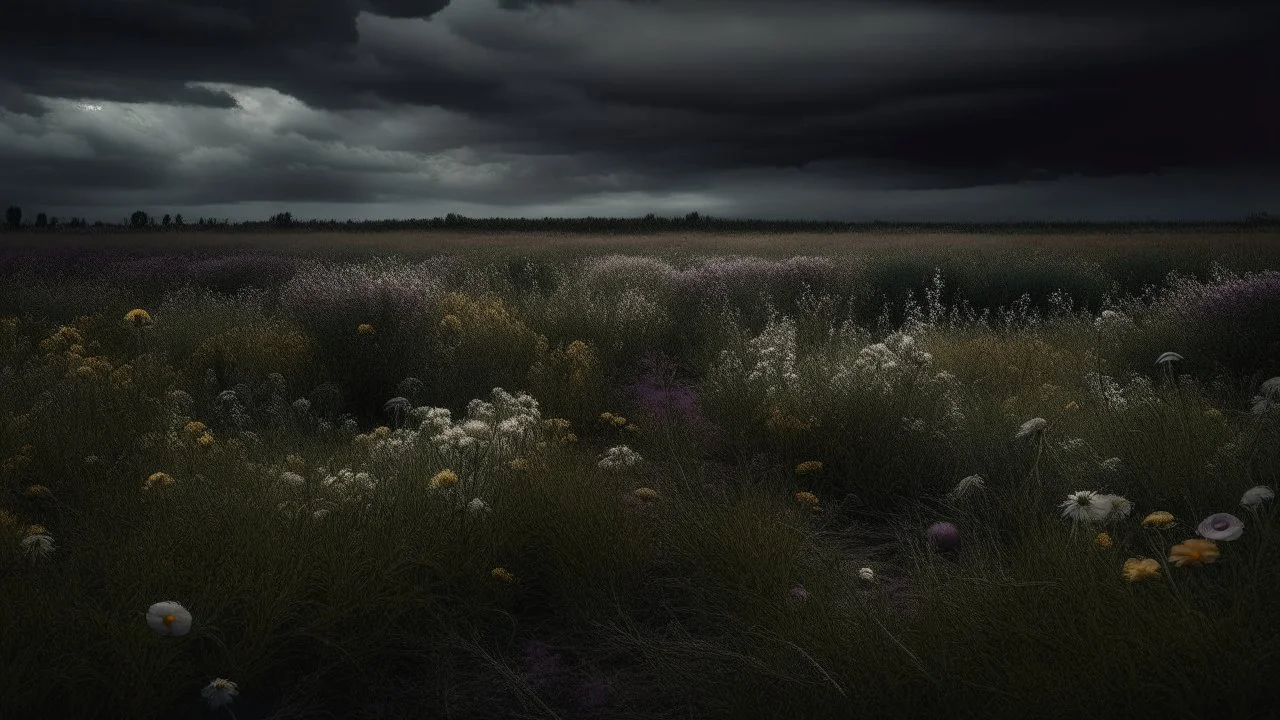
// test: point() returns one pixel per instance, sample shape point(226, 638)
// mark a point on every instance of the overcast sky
point(846, 110)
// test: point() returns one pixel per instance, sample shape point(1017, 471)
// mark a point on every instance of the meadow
point(684, 475)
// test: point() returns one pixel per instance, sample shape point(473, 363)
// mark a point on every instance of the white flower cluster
point(1112, 321)
point(618, 458)
point(774, 355)
point(1268, 398)
point(1116, 397)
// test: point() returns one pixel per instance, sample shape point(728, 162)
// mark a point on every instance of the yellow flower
point(295, 463)
point(569, 438)
point(137, 317)
point(7, 519)
point(1158, 519)
point(606, 417)
point(364, 329)
point(444, 479)
point(195, 427)
point(1103, 540)
point(632, 428)
point(84, 371)
point(70, 334)
point(157, 479)
point(805, 497)
point(518, 464)
point(1071, 406)
point(451, 322)
point(382, 432)
point(205, 440)
point(1193, 552)
point(809, 466)
point(1213, 414)
point(76, 349)
point(37, 491)
point(502, 574)
point(36, 530)
point(619, 421)
point(646, 493)
point(557, 423)
point(1140, 568)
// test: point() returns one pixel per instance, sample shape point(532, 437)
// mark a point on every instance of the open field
point(684, 475)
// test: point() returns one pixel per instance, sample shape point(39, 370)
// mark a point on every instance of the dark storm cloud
point(524, 103)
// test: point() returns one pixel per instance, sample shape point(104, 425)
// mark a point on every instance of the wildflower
point(619, 421)
point(1086, 506)
point(205, 440)
point(477, 506)
point(1193, 552)
point(646, 493)
point(195, 428)
point(137, 317)
point(1140, 568)
point(1111, 464)
point(1103, 540)
point(37, 547)
point(36, 529)
point(37, 492)
point(804, 497)
point(619, 457)
point(1255, 495)
point(799, 594)
point(502, 574)
point(632, 428)
point(451, 322)
point(569, 438)
point(292, 479)
point(364, 329)
point(70, 334)
point(606, 417)
point(1071, 407)
point(295, 463)
point(944, 536)
point(965, 486)
point(157, 479)
point(444, 479)
point(7, 519)
point(220, 692)
point(809, 467)
point(1167, 358)
point(382, 432)
point(1031, 428)
point(518, 464)
point(1221, 526)
point(169, 618)
point(320, 514)
point(1213, 414)
point(1120, 507)
point(867, 574)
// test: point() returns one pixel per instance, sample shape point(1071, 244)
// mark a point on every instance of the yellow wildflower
point(382, 432)
point(195, 427)
point(502, 574)
point(157, 479)
point(70, 334)
point(1193, 552)
point(1213, 414)
point(556, 423)
point(36, 530)
point(364, 329)
point(606, 417)
point(518, 464)
point(809, 466)
point(1103, 540)
point(37, 491)
point(1071, 407)
point(1158, 519)
point(295, 463)
point(805, 497)
point(137, 317)
point(646, 493)
point(84, 371)
point(1139, 568)
point(619, 421)
point(205, 440)
point(569, 438)
point(444, 479)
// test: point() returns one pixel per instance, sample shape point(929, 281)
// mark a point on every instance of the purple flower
point(799, 594)
point(1221, 526)
point(944, 536)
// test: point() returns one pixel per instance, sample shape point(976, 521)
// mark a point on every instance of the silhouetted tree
point(166, 220)
point(42, 220)
point(53, 221)
point(13, 216)
point(138, 219)
point(177, 220)
point(284, 219)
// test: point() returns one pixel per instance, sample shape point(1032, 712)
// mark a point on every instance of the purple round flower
point(1221, 526)
point(799, 594)
point(944, 536)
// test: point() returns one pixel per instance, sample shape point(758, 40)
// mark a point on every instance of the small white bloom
point(477, 506)
point(1111, 464)
point(292, 479)
point(320, 514)
point(1031, 428)
point(37, 547)
point(1255, 495)
point(220, 692)
point(867, 574)
point(1120, 506)
point(1086, 506)
point(1169, 357)
point(966, 486)
point(169, 618)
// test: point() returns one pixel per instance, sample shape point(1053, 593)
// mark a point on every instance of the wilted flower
point(220, 692)
point(1103, 540)
point(1193, 552)
point(1086, 506)
point(157, 479)
point(809, 467)
point(169, 618)
point(1221, 526)
point(1031, 428)
point(1140, 568)
point(38, 546)
point(1159, 519)
point(477, 506)
point(1256, 495)
point(137, 317)
point(867, 574)
point(364, 329)
point(1169, 357)
point(944, 536)
point(444, 479)
point(966, 486)
point(502, 574)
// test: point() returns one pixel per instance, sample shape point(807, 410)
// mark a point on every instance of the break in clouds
point(916, 110)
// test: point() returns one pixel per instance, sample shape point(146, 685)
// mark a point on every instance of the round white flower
point(37, 547)
point(169, 618)
point(1086, 506)
point(867, 574)
point(219, 692)
point(477, 506)
point(1255, 495)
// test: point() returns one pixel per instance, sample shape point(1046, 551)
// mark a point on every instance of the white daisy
point(867, 574)
point(169, 618)
point(1086, 506)
point(37, 547)
point(220, 691)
